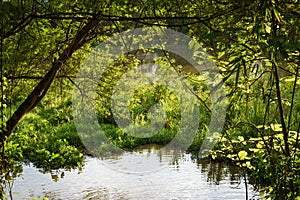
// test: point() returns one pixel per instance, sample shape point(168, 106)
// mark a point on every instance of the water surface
point(144, 174)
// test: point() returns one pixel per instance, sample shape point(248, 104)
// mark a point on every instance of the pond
point(142, 174)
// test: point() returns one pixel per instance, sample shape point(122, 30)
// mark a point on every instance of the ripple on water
point(177, 177)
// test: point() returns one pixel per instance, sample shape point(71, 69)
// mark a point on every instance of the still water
point(139, 175)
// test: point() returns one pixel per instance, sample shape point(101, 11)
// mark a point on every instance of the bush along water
point(261, 135)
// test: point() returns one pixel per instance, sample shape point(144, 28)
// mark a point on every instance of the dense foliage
point(255, 45)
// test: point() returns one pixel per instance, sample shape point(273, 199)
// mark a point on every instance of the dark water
point(142, 175)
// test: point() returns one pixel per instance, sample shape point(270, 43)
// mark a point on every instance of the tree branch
point(41, 89)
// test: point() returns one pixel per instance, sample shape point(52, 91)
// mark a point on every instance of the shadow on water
point(129, 176)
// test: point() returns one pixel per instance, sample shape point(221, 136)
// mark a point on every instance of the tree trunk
point(42, 87)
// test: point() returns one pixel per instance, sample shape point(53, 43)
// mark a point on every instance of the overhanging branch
point(42, 87)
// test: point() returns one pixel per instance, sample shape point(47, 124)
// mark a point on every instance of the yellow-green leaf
point(242, 155)
point(254, 150)
point(276, 127)
point(241, 138)
point(268, 28)
point(259, 145)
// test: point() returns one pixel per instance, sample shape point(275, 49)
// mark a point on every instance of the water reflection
point(180, 177)
point(144, 159)
point(216, 172)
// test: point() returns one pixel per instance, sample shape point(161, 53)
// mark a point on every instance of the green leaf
point(277, 15)
point(241, 138)
point(268, 28)
point(276, 127)
point(242, 155)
